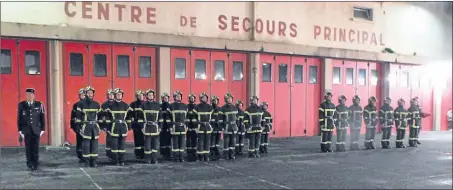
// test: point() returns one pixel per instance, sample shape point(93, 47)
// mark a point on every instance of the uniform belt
point(179, 123)
point(90, 122)
point(205, 123)
point(119, 121)
point(151, 123)
point(230, 122)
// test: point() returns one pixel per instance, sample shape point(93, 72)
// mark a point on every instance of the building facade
point(287, 53)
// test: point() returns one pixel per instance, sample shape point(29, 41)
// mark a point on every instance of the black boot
point(257, 155)
point(372, 145)
point(323, 148)
point(231, 155)
point(418, 142)
point(251, 154)
point(388, 144)
point(206, 158)
point(343, 149)
point(93, 163)
point(338, 147)
point(154, 158)
point(87, 162)
point(265, 149)
point(240, 150)
point(328, 148)
point(81, 160)
point(384, 146)
point(398, 145)
point(261, 148)
point(180, 157)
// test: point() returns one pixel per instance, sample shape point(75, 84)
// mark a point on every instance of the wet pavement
point(293, 163)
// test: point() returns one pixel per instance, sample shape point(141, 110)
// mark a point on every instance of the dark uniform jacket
point(266, 122)
point(138, 116)
point(74, 123)
point(152, 115)
point(105, 118)
point(253, 118)
point(191, 116)
point(400, 115)
point(122, 115)
point(203, 113)
point(240, 120)
point(370, 116)
point(227, 117)
point(165, 120)
point(31, 119)
point(341, 117)
point(215, 119)
point(414, 114)
point(386, 116)
point(87, 112)
point(326, 116)
point(355, 119)
point(179, 117)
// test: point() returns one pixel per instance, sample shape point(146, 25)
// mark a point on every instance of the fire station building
point(287, 53)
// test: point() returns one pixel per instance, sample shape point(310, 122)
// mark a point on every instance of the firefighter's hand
point(42, 132)
point(20, 133)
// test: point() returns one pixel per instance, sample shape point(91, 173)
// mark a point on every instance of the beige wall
point(405, 28)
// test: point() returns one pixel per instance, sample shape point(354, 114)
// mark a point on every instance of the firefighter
point(138, 119)
point(266, 123)
point(370, 117)
point(386, 120)
point(191, 133)
point(122, 115)
point(228, 122)
point(341, 117)
point(326, 122)
point(252, 120)
point(87, 112)
point(151, 128)
point(241, 128)
point(216, 129)
point(165, 124)
point(203, 113)
point(355, 122)
point(400, 116)
point(178, 131)
point(75, 125)
point(414, 115)
point(422, 115)
point(31, 126)
point(105, 121)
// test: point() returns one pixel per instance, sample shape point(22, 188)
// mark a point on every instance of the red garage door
point(145, 65)
point(294, 95)
point(24, 64)
point(237, 76)
point(446, 101)
point(180, 71)
point(200, 74)
point(219, 75)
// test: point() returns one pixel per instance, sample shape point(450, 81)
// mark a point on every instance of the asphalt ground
point(292, 163)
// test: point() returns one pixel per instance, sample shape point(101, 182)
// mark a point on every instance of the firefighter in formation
point(343, 117)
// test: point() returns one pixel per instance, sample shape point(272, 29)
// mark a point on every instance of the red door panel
point(219, 75)
point(446, 102)
point(180, 71)
point(362, 86)
point(145, 65)
point(75, 54)
point(200, 72)
point(237, 75)
point(9, 94)
point(267, 76)
point(100, 73)
point(282, 117)
point(337, 86)
point(33, 74)
point(298, 95)
point(422, 88)
point(313, 98)
point(349, 79)
point(123, 74)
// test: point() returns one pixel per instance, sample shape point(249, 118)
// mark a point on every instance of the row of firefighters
point(175, 126)
point(342, 117)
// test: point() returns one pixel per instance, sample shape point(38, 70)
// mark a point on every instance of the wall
point(400, 26)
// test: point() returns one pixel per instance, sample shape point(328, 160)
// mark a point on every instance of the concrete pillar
point(254, 79)
point(56, 94)
point(326, 82)
point(163, 70)
point(437, 108)
point(385, 84)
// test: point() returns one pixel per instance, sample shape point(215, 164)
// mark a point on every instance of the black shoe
point(93, 164)
point(148, 161)
point(418, 142)
point(87, 163)
point(81, 160)
point(251, 155)
point(117, 164)
point(257, 155)
point(403, 146)
point(206, 158)
point(34, 168)
point(265, 149)
point(121, 163)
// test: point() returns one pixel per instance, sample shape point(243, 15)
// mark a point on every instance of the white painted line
point(88, 175)
point(262, 180)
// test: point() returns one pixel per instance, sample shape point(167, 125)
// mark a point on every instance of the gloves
point(20, 133)
point(42, 132)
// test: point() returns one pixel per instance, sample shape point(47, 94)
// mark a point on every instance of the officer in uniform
point(151, 128)
point(191, 133)
point(415, 115)
point(228, 122)
point(400, 116)
point(341, 117)
point(216, 129)
point(326, 122)
point(386, 120)
point(87, 112)
point(252, 120)
point(266, 122)
point(165, 124)
point(203, 112)
point(122, 114)
point(76, 127)
point(355, 122)
point(138, 119)
point(178, 131)
point(370, 117)
point(31, 124)
point(105, 121)
point(241, 128)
